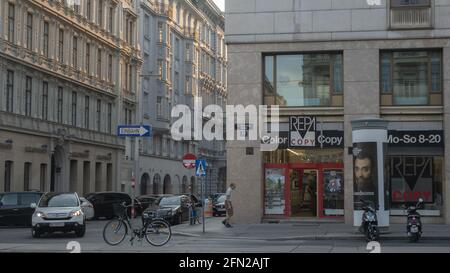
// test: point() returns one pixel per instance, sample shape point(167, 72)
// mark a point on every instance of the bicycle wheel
point(158, 232)
point(115, 231)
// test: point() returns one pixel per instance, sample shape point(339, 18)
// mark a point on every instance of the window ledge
point(411, 110)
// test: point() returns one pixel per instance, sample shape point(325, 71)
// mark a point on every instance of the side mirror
point(33, 205)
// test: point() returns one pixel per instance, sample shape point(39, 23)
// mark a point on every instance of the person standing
point(229, 205)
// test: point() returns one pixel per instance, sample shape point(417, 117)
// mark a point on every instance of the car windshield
point(60, 200)
point(221, 199)
point(175, 200)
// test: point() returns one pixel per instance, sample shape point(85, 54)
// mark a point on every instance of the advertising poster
point(274, 195)
point(365, 173)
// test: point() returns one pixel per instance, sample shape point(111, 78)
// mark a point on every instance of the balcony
point(191, 33)
point(411, 17)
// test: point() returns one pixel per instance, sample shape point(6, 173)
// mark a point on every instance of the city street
point(20, 240)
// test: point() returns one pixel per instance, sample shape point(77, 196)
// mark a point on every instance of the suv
point(58, 212)
point(15, 207)
point(104, 202)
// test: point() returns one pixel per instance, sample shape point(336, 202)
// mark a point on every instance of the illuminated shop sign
point(411, 178)
point(324, 139)
point(433, 138)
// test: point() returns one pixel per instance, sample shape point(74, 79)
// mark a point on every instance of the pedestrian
point(229, 205)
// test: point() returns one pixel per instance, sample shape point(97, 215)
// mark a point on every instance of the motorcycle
point(413, 223)
point(369, 223)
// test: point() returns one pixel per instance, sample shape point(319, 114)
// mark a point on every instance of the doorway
point(304, 192)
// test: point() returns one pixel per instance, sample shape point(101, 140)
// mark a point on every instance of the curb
point(311, 237)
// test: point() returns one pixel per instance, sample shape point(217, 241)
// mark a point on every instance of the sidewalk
point(299, 231)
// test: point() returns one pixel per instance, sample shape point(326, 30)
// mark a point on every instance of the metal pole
point(203, 204)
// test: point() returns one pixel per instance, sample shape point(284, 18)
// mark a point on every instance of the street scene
point(224, 126)
point(291, 238)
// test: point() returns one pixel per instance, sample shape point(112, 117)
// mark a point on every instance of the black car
point(151, 200)
point(174, 209)
point(103, 203)
point(15, 207)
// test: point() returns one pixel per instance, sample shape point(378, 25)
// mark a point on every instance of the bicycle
point(157, 232)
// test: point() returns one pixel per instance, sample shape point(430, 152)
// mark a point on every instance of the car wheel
point(36, 233)
point(80, 232)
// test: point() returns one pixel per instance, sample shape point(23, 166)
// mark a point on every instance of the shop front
point(304, 177)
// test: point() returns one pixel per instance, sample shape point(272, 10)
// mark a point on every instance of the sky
point(220, 4)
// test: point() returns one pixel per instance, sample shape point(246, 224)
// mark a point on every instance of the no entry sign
point(189, 161)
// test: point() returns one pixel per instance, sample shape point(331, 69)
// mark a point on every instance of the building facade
point(68, 77)
point(326, 63)
point(182, 45)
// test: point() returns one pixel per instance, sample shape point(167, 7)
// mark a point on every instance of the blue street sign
point(200, 167)
point(134, 130)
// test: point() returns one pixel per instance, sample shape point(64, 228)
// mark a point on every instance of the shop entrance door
point(307, 192)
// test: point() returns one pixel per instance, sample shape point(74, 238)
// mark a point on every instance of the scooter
point(369, 223)
point(413, 224)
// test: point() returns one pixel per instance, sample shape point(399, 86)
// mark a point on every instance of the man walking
point(229, 205)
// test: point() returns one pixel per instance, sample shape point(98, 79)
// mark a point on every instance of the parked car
point(104, 202)
point(219, 206)
point(87, 207)
point(151, 200)
point(174, 209)
point(58, 212)
point(15, 208)
point(215, 196)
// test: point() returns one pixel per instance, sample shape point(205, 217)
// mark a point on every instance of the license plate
point(414, 229)
point(56, 224)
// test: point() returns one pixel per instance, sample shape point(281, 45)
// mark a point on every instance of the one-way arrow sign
point(134, 130)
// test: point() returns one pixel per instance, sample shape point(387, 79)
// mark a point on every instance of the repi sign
point(302, 131)
point(134, 130)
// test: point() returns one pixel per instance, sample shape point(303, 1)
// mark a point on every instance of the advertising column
point(369, 149)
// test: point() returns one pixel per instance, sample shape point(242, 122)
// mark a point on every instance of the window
point(61, 45)
point(188, 85)
point(100, 13)
point(411, 77)
point(60, 105)
point(188, 52)
point(86, 112)
point(88, 9)
point(303, 79)
point(111, 20)
point(74, 108)
point(409, 3)
point(30, 31)
point(45, 100)
point(75, 52)
point(26, 176)
point(46, 34)
point(177, 49)
point(109, 118)
point(28, 96)
point(76, 7)
point(8, 178)
point(99, 115)
point(130, 33)
point(176, 83)
point(43, 177)
point(159, 107)
point(146, 25)
point(110, 68)
point(10, 91)
point(130, 77)
point(99, 63)
point(160, 32)
point(11, 19)
point(88, 57)
point(160, 69)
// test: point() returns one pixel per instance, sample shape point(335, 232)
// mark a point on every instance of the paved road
point(20, 240)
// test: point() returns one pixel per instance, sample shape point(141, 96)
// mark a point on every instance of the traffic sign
point(200, 167)
point(189, 161)
point(134, 130)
